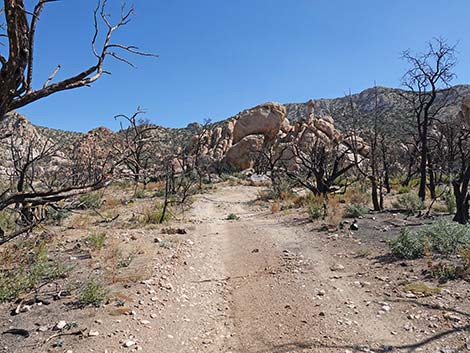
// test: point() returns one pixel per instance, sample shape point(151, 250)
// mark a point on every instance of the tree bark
point(375, 194)
point(462, 198)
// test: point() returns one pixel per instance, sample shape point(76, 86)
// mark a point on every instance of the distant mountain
point(389, 99)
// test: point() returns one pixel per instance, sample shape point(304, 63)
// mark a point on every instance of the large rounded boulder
point(265, 119)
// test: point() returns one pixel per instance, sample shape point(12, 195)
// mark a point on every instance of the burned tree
point(136, 147)
point(17, 66)
point(456, 150)
point(321, 163)
point(17, 90)
point(430, 74)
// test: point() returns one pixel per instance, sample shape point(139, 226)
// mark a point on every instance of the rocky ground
point(262, 283)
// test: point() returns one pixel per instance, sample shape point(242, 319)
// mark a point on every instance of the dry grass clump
point(80, 221)
point(121, 265)
point(357, 194)
point(420, 288)
point(154, 215)
point(111, 202)
point(276, 207)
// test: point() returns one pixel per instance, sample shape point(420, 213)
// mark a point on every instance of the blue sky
point(220, 57)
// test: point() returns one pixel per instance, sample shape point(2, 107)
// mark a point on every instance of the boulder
point(266, 119)
point(243, 155)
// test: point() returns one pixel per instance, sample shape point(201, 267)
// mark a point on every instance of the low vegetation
point(443, 238)
point(356, 211)
point(155, 215)
point(92, 200)
point(232, 217)
point(92, 293)
point(29, 270)
point(409, 202)
point(97, 240)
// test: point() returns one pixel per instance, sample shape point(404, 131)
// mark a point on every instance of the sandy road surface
point(277, 289)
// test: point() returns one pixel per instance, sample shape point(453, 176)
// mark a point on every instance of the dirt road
point(263, 283)
point(271, 284)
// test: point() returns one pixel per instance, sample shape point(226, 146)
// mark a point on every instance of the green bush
point(97, 240)
point(355, 211)
point(404, 189)
point(154, 214)
point(139, 194)
point(445, 272)
point(315, 211)
point(92, 201)
point(407, 246)
point(30, 273)
point(57, 215)
point(443, 237)
point(92, 293)
point(449, 199)
point(232, 217)
point(409, 202)
point(7, 221)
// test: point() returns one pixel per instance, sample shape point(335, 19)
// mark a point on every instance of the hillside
point(389, 100)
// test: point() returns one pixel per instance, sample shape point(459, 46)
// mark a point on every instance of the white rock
point(60, 325)
point(129, 343)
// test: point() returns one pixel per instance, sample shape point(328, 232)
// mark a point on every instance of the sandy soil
point(263, 283)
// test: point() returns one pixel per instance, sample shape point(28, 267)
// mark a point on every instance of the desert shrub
point(449, 199)
point(97, 240)
point(407, 246)
point(92, 293)
point(281, 190)
point(92, 200)
point(356, 195)
point(465, 255)
point(315, 211)
point(409, 202)
point(7, 221)
point(33, 269)
point(232, 217)
point(445, 272)
point(404, 189)
point(57, 215)
point(159, 193)
point(355, 211)
point(154, 215)
point(139, 194)
point(443, 237)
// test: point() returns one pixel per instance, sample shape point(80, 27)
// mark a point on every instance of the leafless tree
point(137, 145)
point(198, 160)
point(455, 148)
point(430, 72)
point(321, 164)
point(29, 160)
point(17, 66)
point(273, 160)
point(17, 90)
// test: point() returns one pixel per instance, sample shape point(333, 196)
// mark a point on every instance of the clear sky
point(218, 57)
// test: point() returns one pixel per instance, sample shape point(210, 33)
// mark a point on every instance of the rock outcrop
point(243, 155)
point(464, 114)
point(265, 119)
